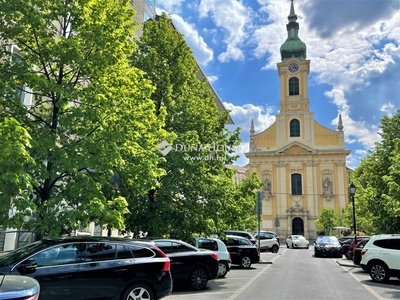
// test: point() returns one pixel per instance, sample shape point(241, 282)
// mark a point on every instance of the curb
point(347, 264)
point(265, 262)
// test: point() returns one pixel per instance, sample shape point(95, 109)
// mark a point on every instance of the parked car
point(327, 246)
point(297, 241)
point(344, 238)
point(345, 247)
point(243, 252)
point(244, 234)
point(356, 257)
point(354, 243)
point(84, 267)
point(381, 257)
point(268, 242)
point(218, 247)
point(16, 287)
point(188, 263)
point(274, 234)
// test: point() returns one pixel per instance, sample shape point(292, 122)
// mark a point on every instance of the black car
point(83, 268)
point(327, 246)
point(16, 287)
point(242, 251)
point(345, 243)
point(189, 264)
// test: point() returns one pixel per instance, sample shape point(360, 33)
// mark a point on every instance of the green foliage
point(326, 221)
point(91, 115)
point(377, 180)
point(197, 185)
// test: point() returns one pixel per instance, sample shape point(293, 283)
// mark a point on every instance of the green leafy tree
point(326, 221)
point(196, 179)
point(91, 116)
point(377, 180)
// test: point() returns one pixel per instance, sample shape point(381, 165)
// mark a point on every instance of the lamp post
point(352, 192)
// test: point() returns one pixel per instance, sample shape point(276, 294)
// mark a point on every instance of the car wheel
point(245, 262)
point(316, 254)
point(138, 291)
point(198, 279)
point(274, 249)
point(379, 272)
point(287, 245)
point(223, 269)
point(347, 254)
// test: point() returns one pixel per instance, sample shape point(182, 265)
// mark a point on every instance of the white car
point(219, 247)
point(380, 257)
point(297, 241)
point(267, 242)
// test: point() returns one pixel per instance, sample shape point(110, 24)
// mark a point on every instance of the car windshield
point(19, 253)
point(328, 239)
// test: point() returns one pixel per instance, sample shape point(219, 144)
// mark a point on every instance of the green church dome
point(293, 46)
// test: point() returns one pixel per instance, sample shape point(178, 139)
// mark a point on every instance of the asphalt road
point(294, 274)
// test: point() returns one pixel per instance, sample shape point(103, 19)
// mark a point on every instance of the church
point(301, 162)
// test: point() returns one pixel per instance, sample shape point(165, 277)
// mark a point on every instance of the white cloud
point(212, 78)
point(242, 115)
point(202, 52)
point(231, 16)
point(170, 6)
point(389, 109)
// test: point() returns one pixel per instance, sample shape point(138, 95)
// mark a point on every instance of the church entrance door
point(298, 226)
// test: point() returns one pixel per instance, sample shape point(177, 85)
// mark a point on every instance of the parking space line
point(369, 289)
point(239, 291)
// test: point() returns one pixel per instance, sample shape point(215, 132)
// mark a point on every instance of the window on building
point(296, 184)
point(293, 86)
point(294, 128)
point(146, 16)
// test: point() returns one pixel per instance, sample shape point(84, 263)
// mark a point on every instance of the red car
point(354, 244)
point(356, 256)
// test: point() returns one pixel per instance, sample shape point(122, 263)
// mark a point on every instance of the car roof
point(88, 239)
point(238, 231)
point(236, 236)
point(209, 238)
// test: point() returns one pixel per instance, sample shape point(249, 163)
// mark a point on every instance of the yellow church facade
point(301, 162)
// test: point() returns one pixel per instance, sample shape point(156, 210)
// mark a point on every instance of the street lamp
point(352, 192)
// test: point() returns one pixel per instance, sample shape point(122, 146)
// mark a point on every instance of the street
point(294, 274)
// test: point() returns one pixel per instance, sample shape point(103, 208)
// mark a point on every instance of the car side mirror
point(27, 267)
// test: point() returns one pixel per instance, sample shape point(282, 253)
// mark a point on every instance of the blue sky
point(353, 46)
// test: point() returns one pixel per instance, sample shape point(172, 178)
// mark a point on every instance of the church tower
point(301, 162)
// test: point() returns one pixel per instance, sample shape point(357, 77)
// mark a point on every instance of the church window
point(293, 86)
point(294, 128)
point(296, 184)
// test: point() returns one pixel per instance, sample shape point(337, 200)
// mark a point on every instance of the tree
point(377, 180)
point(91, 116)
point(196, 183)
point(326, 221)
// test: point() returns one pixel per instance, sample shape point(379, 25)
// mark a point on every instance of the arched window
point(296, 184)
point(294, 128)
point(293, 86)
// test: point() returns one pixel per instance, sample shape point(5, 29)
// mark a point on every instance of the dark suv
point(83, 268)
